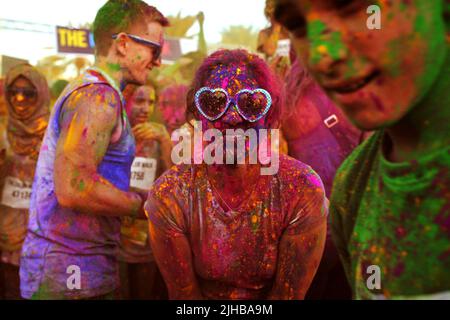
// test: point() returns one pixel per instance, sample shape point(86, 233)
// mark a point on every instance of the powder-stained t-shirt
point(393, 220)
point(235, 252)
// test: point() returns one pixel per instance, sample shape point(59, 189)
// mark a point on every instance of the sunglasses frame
point(21, 91)
point(145, 42)
point(234, 100)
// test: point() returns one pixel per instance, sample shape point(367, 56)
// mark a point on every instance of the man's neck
point(426, 127)
point(113, 69)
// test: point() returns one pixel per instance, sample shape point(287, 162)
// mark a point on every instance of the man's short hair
point(121, 16)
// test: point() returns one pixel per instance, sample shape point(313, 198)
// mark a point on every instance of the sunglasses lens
point(252, 106)
point(12, 92)
point(27, 93)
point(156, 49)
point(213, 103)
point(156, 53)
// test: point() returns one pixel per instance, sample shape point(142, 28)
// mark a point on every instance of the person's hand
point(140, 214)
point(151, 131)
point(280, 66)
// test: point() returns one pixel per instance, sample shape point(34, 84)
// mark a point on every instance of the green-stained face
point(378, 75)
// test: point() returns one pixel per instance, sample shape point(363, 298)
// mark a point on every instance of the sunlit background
point(28, 27)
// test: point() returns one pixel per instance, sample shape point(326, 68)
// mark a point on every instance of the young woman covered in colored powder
point(225, 231)
point(390, 206)
point(27, 99)
point(140, 278)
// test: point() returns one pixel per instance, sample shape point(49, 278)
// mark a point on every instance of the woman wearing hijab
point(230, 231)
point(27, 99)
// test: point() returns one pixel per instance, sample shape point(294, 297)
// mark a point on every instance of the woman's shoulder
point(175, 178)
point(295, 175)
point(302, 195)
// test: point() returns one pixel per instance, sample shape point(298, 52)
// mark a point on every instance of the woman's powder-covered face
point(172, 103)
point(233, 78)
point(142, 104)
point(23, 97)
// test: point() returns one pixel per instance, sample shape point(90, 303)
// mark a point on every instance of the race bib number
point(16, 193)
point(283, 48)
point(143, 173)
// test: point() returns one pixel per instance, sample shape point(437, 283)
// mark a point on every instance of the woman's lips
point(351, 85)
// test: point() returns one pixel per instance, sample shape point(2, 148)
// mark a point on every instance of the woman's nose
point(20, 97)
point(232, 117)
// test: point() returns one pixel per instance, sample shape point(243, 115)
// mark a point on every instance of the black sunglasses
point(28, 93)
point(157, 48)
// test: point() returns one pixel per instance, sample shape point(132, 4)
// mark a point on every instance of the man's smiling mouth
point(351, 85)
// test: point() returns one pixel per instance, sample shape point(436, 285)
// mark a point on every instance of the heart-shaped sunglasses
point(251, 105)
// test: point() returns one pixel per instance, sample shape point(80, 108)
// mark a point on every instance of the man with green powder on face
point(82, 181)
point(390, 203)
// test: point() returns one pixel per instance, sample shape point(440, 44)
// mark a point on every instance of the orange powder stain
point(99, 100)
point(74, 129)
point(77, 97)
point(322, 49)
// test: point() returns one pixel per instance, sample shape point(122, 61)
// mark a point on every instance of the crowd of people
point(362, 184)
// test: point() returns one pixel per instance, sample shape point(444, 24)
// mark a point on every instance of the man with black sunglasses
point(81, 187)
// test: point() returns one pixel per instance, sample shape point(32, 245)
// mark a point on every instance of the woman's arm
point(298, 260)
point(301, 248)
point(171, 249)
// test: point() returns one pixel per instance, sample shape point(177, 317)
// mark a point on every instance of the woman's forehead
point(22, 82)
point(231, 78)
point(144, 92)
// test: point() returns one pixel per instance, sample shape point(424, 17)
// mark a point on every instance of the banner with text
point(74, 40)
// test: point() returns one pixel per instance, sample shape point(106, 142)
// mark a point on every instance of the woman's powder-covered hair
point(256, 67)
